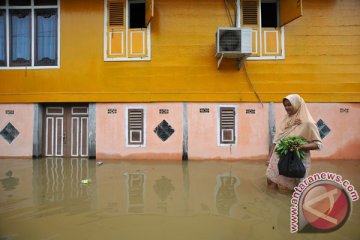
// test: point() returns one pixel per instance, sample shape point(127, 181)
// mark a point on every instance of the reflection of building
point(163, 187)
point(58, 182)
point(136, 191)
point(226, 193)
point(9, 183)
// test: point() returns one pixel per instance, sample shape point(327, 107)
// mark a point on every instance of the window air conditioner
point(232, 42)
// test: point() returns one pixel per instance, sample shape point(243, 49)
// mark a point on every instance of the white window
point(29, 33)
point(266, 18)
point(127, 30)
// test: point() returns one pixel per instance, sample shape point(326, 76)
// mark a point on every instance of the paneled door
point(65, 131)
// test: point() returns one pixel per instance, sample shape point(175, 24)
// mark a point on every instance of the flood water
point(58, 198)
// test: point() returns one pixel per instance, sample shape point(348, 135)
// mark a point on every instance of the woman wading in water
point(297, 122)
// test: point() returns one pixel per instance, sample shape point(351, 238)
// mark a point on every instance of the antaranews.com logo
point(321, 203)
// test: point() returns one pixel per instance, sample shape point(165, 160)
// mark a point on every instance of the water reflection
point(57, 183)
point(226, 196)
point(150, 200)
point(9, 183)
point(135, 192)
point(163, 187)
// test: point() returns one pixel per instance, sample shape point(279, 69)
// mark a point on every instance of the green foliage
point(290, 143)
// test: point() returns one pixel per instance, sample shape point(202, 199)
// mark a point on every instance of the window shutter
point(227, 125)
point(116, 32)
point(250, 12)
point(116, 13)
point(135, 126)
point(149, 11)
point(289, 11)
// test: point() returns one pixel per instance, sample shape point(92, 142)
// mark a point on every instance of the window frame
point(127, 44)
point(219, 129)
point(33, 41)
point(261, 38)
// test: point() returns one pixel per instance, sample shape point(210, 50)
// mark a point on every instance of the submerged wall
point(16, 130)
point(196, 131)
point(194, 134)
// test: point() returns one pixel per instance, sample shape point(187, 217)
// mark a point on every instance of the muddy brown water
point(58, 198)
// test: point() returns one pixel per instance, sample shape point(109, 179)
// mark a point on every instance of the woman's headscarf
point(307, 129)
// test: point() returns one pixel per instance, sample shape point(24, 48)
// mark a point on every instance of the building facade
point(138, 79)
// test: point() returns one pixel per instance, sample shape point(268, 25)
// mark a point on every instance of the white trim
point(219, 127)
point(127, 127)
point(30, 67)
point(260, 28)
point(61, 139)
point(74, 113)
point(131, 139)
point(47, 136)
point(55, 114)
point(148, 39)
point(72, 137)
point(282, 30)
point(143, 44)
point(256, 39)
point(81, 137)
point(277, 41)
point(222, 135)
point(110, 42)
point(127, 59)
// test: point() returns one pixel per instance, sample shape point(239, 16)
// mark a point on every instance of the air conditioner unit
point(232, 42)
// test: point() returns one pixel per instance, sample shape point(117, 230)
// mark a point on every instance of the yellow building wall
point(322, 61)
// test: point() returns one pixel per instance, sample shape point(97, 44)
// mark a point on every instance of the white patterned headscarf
point(307, 129)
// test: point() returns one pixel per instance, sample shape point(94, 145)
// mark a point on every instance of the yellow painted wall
point(322, 59)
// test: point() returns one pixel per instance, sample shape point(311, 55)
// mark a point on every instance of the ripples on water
point(58, 198)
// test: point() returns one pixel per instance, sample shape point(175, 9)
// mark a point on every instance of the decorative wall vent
point(250, 111)
point(135, 126)
point(227, 125)
point(204, 110)
point(163, 111)
point(164, 130)
point(323, 128)
point(9, 133)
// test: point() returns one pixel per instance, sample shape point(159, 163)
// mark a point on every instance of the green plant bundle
point(290, 143)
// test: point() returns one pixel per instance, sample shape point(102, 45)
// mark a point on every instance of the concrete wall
point(252, 131)
point(21, 117)
point(196, 132)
